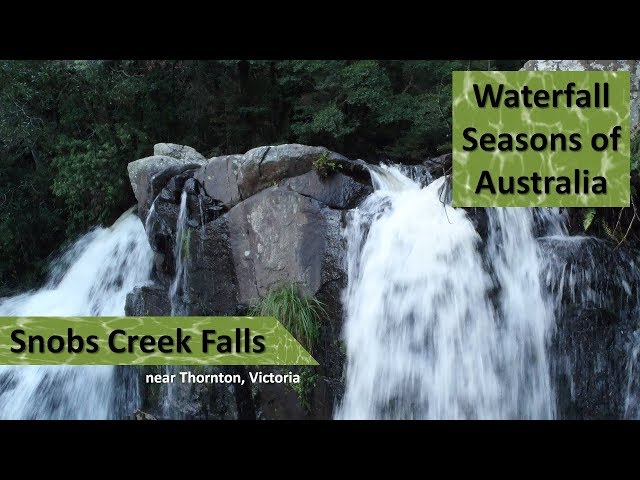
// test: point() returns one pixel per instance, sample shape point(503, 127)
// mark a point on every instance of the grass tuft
point(300, 314)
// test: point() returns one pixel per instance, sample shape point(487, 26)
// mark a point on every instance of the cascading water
point(178, 287)
point(429, 332)
point(524, 315)
point(530, 322)
point(172, 393)
point(91, 279)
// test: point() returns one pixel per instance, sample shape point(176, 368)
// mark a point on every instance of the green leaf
point(587, 220)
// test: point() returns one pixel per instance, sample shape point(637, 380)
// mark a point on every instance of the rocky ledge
point(256, 221)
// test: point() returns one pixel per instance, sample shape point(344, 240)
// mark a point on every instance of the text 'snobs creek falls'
point(429, 311)
point(432, 312)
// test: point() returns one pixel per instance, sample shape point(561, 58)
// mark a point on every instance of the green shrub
point(304, 389)
point(325, 166)
point(300, 314)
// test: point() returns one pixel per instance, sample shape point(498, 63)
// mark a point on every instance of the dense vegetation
point(68, 129)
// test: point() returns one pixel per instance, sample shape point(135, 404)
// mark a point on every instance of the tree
point(68, 129)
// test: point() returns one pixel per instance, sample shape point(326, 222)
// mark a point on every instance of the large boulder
point(336, 190)
point(632, 66)
point(219, 178)
point(233, 178)
point(180, 152)
point(278, 237)
point(262, 167)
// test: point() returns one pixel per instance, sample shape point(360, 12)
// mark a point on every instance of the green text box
point(279, 346)
point(614, 166)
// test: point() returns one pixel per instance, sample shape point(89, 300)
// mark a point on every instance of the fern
point(610, 233)
point(588, 217)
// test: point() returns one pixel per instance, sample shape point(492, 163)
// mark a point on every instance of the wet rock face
point(212, 286)
point(596, 314)
point(197, 401)
point(589, 367)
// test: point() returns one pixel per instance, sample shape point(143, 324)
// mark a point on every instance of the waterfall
point(435, 328)
point(172, 393)
point(180, 250)
point(92, 278)
point(525, 314)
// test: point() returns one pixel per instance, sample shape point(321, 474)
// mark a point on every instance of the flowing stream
point(499, 313)
point(92, 278)
point(441, 325)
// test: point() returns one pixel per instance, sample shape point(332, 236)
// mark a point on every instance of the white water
point(178, 287)
point(432, 329)
point(171, 393)
point(91, 279)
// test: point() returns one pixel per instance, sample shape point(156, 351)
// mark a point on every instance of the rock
point(219, 179)
point(592, 264)
point(197, 401)
point(140, 415)
point(632, 66)
point(160, 224)
point(233, 178)
point(596, 314)
point(288, 230)
point(276, 401)
point(356, 169)
point(278, 237)
point(148, 300)
point(211, 280)
point(141, 173)
point(169, 182)
point(335, 191)
point(263, 167)
point(438, 166)
point(589, 361)
point(180, 152)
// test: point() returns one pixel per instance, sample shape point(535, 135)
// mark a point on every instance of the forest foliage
point(69, 128)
